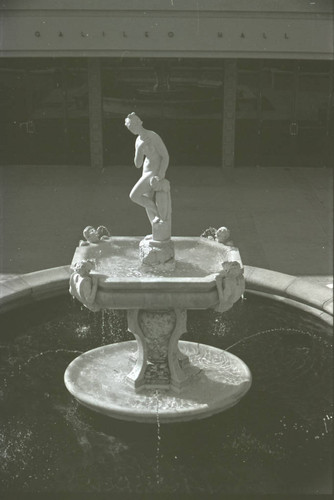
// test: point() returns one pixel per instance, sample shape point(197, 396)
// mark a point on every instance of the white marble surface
point(97, 379)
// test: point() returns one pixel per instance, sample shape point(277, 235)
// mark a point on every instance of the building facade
point(227, 83)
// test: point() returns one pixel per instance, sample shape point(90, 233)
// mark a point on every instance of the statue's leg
point(141, 194)
point(150, 213)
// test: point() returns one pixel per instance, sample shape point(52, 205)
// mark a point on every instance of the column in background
point(95, 113)
point(230, 92)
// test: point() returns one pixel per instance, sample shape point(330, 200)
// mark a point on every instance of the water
point(120, 260)
point(157, 455)
point(278, 439)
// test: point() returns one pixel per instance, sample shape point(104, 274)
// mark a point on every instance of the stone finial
point(103, 232)
point(221, 235)
point(209, 233)
point(94, 236)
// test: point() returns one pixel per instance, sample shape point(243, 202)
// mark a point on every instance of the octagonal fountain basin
point(123, 283)
point(277, 440)
point(192, 380)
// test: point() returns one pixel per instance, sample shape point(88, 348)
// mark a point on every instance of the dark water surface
point(278, 439)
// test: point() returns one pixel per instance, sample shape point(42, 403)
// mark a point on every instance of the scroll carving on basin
point(230, 285)
point(83, 285)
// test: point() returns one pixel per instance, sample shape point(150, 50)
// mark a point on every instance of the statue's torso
point(152, 158)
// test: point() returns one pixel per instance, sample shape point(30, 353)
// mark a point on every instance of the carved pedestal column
point(159, 362)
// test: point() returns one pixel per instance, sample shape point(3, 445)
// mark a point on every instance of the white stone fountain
point(156, 279)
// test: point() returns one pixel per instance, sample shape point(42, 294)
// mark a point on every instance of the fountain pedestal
point(159, 362)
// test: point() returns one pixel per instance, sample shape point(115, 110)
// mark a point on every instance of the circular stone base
point(97, 379)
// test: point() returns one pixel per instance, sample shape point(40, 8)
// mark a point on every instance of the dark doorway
point(44, 111)
point(180, 99)
point(284, 113)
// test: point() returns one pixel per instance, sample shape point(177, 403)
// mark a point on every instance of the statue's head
point(133, 123)
point(84, 267)
point(90, 234)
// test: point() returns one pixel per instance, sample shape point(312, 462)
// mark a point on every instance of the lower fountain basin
point(98, 380)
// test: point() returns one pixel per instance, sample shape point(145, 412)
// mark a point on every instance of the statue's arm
point(139, 155)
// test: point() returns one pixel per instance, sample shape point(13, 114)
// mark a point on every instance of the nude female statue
point(151, 154)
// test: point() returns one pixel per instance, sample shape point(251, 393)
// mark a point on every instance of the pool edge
point(31, 287)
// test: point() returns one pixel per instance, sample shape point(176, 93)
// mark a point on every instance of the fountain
point(278, 440)
point(156, 279)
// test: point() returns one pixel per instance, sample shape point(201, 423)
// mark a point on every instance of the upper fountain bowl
point(207, 274)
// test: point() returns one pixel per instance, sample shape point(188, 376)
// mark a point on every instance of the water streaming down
point(270, 331)
point(278, 439)
point(157, 466)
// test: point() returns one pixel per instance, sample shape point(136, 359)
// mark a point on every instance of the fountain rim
point(152, 283)
point(316, 299)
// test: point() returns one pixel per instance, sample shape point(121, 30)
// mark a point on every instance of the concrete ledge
point(328, 306)
point(313, 294)
point(267, 281)
point(27, 288)
point(32, 287)
point(16, 287)
point(48, 282)
point(284, 285)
